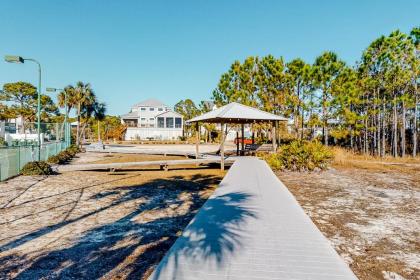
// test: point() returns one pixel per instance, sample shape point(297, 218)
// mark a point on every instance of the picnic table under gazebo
point(236, 113)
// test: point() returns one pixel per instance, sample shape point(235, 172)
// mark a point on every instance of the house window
point(152, 119)
point(151, 109)
point(161, 122)
point(169, 122)
point(178, 122)
point(160, 109)
point(143, 125)
point(143, 119)
point(131, 123)
point(143, 109)
point(152, 125)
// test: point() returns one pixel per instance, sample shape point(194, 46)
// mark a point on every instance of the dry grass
point(346, 159)
point(368, 208)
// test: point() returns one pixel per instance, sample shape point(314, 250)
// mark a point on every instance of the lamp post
point(49, 89)
point(19, 59)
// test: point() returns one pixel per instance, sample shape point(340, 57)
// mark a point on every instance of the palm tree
point(84, 98)
point(96, 110)
point(71, 98)
point(99, 115)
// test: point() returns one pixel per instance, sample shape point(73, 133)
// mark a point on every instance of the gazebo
point(235, 113)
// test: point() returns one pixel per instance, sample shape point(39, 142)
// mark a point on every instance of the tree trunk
point(99, 131)
point(302, 122)
point(378, 129)
point(374, 146)
point(297, 111)
point(365, 140)
point(383, 128)
point(81, 133)
point(78, 125)
point(395, 127)
point(415, 124)
point(324, 118)
point(403, 144)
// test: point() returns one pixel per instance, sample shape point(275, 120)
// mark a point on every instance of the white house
point(151, 119)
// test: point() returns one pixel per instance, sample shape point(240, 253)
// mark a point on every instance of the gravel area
point(370, 215)
point(89, 225)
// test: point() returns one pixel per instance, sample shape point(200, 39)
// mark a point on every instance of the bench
point(251, 149)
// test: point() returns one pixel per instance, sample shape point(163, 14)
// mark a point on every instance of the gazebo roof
point(236, 113)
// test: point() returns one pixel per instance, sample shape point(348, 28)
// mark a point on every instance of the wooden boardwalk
point(251, 228)
point(163, 164)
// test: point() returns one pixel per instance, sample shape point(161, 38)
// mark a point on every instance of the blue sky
point(172, 50)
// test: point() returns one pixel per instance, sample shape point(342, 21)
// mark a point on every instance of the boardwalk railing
point(251, 228)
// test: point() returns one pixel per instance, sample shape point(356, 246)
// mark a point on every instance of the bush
point(36, 168)
point(54, 159)
point(301, 156)
point(64, 156)
point(3, 142)
point(74, 149)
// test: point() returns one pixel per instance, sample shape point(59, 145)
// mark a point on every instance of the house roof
point(132, 115)
point(169, 114)
point(151, 102)
point(236, 113)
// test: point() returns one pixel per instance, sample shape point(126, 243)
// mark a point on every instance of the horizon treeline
point(371, 107)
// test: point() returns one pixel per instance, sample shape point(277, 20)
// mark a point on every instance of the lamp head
point(14, 59)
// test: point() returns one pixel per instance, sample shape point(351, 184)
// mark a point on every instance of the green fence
point(12, 159)
point(56, 137)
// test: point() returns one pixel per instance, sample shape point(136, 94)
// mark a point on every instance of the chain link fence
point(23, 147)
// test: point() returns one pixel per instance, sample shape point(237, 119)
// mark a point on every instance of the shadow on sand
point(129, 248)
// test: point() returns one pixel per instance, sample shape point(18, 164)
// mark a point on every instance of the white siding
point(134, 133)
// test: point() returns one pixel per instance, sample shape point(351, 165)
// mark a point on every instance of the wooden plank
point(119, 165)
point(252, 228)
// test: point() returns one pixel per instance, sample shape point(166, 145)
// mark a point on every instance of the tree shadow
point(132, 245)
point(214, 234)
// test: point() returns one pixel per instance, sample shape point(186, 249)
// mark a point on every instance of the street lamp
point(19, 59)
point(49, 89)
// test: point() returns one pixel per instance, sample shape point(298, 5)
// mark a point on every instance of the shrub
point(54, 159)
point(74, 149)
point(3, 142)
point(64, 156)
point(36, 168)
point(301, 156)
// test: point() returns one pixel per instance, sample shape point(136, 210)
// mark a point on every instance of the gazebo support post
point(197, 140)
point(222, 148)
point(237, 142)
point(253, 134)
point(243, 139)
point(273, 134)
